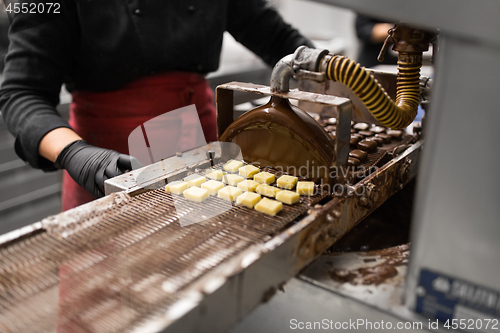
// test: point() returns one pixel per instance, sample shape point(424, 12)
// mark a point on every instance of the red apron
point(105, 119)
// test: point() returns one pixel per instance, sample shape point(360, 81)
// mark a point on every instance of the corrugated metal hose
point(396, 115)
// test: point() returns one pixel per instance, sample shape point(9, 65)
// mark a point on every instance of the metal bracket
point(225, 100)
point(344, 118)
point(303, 74)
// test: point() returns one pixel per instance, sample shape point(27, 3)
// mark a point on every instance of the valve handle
point(387, 41)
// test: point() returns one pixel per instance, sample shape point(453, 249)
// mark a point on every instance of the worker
point(372, 34)
point(124, 62)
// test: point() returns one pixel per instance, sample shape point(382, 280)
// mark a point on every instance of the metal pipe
point(282, 72)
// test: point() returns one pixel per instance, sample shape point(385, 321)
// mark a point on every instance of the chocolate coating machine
point(125, 263)
point(142, 259)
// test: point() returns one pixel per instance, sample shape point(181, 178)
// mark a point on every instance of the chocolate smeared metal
point(285, 137)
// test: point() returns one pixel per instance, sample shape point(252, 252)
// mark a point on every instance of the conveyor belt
point(107, 271)
point(111, 269)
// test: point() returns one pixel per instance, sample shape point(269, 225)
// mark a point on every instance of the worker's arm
point(370, 30)
point(258, 25)
point(39, 58)
point(55, 141)
point(89, 166)
point(379, 32)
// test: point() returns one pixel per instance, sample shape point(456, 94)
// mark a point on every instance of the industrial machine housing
point(110, 265)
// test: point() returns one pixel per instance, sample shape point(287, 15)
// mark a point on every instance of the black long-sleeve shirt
point(101, 45)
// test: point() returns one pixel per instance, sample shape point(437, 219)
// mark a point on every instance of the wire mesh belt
point(378, 157)
point(111, 270)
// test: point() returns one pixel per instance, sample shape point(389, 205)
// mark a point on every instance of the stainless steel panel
point(475, 20)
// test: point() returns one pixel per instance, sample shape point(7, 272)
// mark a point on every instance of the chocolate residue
point(343, 275)
point(392, 252)
point(378, 274)
point(387, 226)
point(384, 234)
point(392, 258)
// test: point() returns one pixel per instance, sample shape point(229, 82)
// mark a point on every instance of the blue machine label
point(447, 298)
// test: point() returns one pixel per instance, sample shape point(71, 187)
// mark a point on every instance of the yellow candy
point(233, 166)
point(176, 187)
point(232, 180)
point(248, 171)
point(268, 206)
point(248, 199)
point(215, 174)
point(305, 188)
point(264, 178)
point(287, 197)
point(266, 190)
point(212, 186)
point(248, 185)
point(229, 193)
point(287, 182)
point(195, 180)
point(196, 194)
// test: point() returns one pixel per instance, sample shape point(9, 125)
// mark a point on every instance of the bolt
point(370, 188)
point(178, 154)
point(210, 154)
point(332, 232)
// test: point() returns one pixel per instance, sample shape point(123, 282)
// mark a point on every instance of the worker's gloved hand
point(90, 166)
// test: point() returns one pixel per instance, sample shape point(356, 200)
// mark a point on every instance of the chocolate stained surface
point(280, 135)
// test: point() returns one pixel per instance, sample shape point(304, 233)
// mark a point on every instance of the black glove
point(90, 166)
